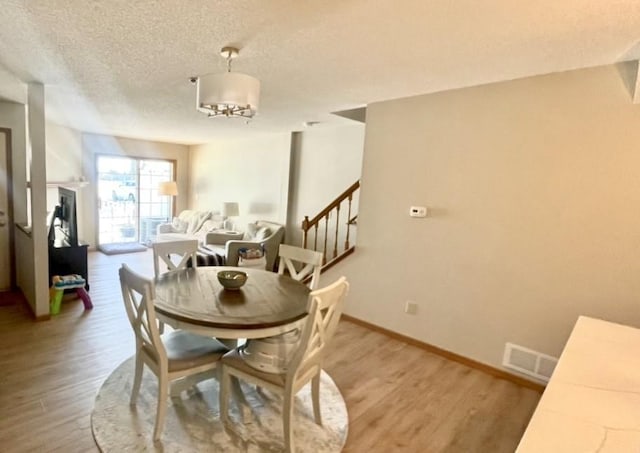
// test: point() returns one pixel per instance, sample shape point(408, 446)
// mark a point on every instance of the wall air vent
point(526, 361)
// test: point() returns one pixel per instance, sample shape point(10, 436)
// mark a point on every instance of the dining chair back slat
point(164, 252)
point(300, 263)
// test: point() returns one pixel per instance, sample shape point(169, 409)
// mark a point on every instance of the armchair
point(261, 234)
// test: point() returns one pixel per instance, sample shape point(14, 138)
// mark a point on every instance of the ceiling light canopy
point(230, 94)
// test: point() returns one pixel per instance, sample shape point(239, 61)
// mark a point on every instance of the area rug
point(193, 418)
point(121, 247)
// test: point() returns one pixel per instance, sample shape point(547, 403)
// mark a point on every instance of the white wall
point(93, 144)
point(13, 117)
point(25, 269)
point(12, 89)
point(326, 161)
point(253, 172)
point(31, 258)
point(38, 171)
point(64, 164)
point(533, 189)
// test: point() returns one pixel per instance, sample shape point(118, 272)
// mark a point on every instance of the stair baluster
point(323, 216)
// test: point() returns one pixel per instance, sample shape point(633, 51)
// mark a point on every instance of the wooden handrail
point(337, 253)
point(343, 196)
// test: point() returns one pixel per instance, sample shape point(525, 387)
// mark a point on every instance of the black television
point(63, 224)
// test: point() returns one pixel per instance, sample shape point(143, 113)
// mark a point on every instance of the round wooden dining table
point(193, 299)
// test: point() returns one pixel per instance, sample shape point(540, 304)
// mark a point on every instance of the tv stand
point(65, 260)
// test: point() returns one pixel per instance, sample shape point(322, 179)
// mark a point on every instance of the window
point(129, 207)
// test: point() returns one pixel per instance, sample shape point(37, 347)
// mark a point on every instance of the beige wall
point(325, 162)
point(253, 172)
point(93, 144)
point(533, 187)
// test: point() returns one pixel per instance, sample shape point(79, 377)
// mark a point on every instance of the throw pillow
point(250, 233)
point(197, 220)
point(262, 233)
point(186, 215)
point(210, 225)
point(179, 226)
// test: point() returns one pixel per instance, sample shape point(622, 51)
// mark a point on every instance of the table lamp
point(168, 188)
point(230, 209)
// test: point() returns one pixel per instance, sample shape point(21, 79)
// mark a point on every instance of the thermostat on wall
point(418, 211)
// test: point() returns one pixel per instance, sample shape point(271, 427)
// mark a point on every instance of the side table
point(221, 237)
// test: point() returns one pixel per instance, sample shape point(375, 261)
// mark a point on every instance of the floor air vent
point(529, 362)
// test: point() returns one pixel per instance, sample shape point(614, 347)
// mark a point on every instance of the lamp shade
point(168, 188)
point(228, 94)
point(230, 209)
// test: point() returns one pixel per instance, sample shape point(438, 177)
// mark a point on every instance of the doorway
point(129, 207)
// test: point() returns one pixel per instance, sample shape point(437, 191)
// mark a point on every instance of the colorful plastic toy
point(60, 283)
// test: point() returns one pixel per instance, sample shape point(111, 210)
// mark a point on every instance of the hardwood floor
point(399, 397)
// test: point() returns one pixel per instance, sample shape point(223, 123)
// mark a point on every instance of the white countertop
point(592, 402)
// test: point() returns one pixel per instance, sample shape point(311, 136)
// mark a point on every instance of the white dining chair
point(166, 252)
point(299, 263)
point(324, 309)
point(171, 356)
point(291, 259)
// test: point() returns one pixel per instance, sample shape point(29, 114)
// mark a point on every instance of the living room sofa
point(262, 235)
point(191, 224)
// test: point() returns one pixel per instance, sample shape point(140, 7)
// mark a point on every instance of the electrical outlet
point(418, 211)
point(410, 307)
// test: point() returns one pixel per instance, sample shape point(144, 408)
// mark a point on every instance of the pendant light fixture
point(230, 94)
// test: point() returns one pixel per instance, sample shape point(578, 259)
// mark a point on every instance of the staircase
point(330, 231)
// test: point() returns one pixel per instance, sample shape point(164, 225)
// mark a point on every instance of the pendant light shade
point(229, 94)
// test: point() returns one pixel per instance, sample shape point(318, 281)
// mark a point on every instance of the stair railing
point(331, 235)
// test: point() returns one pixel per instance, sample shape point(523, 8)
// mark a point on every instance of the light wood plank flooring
point(400, 398)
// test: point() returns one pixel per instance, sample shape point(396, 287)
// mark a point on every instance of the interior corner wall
point(251, 171)
point(94, 144)
point(326, 161)
point(533, 192)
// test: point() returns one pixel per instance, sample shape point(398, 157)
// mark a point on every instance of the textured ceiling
point(122, 66)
